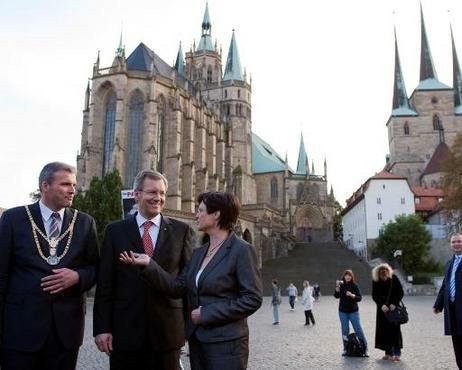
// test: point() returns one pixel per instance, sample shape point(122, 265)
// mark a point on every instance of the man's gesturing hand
point(60, 280)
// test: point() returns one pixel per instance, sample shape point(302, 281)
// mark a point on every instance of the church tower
point(419, 124)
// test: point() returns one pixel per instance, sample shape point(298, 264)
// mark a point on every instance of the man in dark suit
point(48, 258)
point(450, 298)
point(138, 327)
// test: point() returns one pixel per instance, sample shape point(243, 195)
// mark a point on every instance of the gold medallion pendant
point(52, 259)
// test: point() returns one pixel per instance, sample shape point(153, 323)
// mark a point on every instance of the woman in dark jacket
point(387, 293)
point(349, 295)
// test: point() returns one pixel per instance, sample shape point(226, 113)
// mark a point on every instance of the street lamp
point(399, 253)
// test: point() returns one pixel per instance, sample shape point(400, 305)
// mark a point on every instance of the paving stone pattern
point(291, 345)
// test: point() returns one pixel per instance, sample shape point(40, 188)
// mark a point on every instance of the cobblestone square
point(291, 345)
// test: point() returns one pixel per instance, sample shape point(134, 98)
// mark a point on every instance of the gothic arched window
point(274, 188)
point(109, 130)
point(209, 74)
point(135, 130)
point(160, 139)
point(299, 191)
point(436, 122)
point(406, 128)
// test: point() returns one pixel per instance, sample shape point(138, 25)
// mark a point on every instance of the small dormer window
point(434, 100)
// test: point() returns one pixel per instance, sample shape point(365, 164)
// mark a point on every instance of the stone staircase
point(316, 262)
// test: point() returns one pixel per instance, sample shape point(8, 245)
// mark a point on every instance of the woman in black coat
point(387, 293)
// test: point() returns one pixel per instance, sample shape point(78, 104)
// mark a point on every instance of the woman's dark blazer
point(229, 290)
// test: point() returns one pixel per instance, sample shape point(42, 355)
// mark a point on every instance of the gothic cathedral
point(193, 122)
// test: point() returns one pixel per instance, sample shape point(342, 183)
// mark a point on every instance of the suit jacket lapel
point(163, 236)
point(218, 257)
point(37, 217)
point(133, 234)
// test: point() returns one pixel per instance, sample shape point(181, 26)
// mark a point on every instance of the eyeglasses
point(154, 193)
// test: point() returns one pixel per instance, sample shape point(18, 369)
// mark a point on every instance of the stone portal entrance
point(311, 224)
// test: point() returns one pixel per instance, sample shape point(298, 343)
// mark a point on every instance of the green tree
point(101, 200)
point(452, 182)
point(408, 234)
point(338, 227)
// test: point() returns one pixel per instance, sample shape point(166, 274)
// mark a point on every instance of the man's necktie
point(54, 227)
point(147, 241)
point(452, 285)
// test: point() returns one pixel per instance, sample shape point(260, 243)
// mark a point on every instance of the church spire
point(206, 38)
point(428, 76)
point(120, 52)
point(179, 63)
point(427, 70)
point(302, 167)
point(233, 70)
point(456, 78)
point(400, 100)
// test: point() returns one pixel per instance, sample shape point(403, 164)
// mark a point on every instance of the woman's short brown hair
point(349, 272)
point(226, 203)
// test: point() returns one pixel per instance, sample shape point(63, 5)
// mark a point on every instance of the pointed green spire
point(206, 39)
point(456, 78)
point(206, 23)
point(401, 105)
point(179, 63)
point(120, 52)
point(302, 167)
point(233, 70)
point(428, 76)
point(427, 70)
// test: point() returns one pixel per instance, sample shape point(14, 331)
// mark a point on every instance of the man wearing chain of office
point(48, 257)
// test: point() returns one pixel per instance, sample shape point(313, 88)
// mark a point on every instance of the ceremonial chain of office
point(52, 259)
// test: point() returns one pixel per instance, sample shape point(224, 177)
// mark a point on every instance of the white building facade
point(377, 202)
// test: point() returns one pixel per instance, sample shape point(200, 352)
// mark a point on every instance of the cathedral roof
point(233, 70)
point(265, 158)
point(436, 162)
point(142, 58)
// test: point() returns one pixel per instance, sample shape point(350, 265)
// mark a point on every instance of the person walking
point(307, 302)
point(348, 293)
point(387, 293)
point(275, 300)
point(293, 293)
point(449, 298)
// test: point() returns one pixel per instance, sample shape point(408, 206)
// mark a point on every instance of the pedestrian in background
point(387, 293)
point(316, 291)
point(275, 300)
point(307, 302)
point(292, 292)
point(348, 293)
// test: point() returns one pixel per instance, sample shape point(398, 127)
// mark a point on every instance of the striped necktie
point(54, 227)
point(452, 284)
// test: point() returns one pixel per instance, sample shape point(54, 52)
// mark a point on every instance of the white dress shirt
point(47, 219)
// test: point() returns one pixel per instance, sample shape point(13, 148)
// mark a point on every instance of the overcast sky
point(324, 68)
